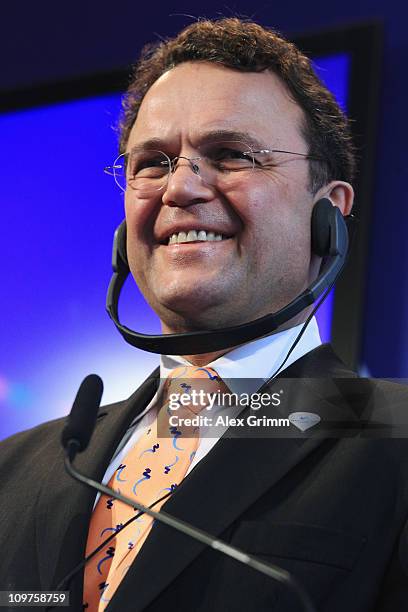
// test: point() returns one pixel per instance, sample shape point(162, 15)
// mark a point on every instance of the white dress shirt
point(244, 369)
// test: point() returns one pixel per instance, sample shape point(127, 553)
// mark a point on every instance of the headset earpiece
point(120, 236)
point(326, 219)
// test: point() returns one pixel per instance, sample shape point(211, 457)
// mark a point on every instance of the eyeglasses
point(220, 163)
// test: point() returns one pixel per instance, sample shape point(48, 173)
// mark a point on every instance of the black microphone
point(81, 421)
point(75, 438)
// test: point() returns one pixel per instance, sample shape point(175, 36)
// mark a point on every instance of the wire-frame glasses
point(147, 171)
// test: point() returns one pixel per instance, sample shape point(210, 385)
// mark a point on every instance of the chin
point(200, 315)
point(192, 295)
point(191, 306)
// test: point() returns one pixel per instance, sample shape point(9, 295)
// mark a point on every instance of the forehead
point(200, 97)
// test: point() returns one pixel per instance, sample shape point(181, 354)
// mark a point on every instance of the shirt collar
point(247, 367)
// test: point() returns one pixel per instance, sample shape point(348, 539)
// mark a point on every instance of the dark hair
point(249, 47)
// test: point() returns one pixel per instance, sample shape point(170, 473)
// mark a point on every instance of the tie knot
point(193, 382)
point(194, 372)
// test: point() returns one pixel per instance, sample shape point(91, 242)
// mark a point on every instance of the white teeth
point(191, 236)
point(195, 235)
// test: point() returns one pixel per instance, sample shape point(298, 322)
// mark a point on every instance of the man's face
point(266, 260)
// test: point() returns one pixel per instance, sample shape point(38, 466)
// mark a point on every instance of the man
point(230, 141)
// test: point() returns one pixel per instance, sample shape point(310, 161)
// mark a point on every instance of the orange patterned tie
point(155, 465)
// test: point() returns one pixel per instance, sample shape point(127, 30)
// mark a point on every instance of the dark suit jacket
point(331, 509)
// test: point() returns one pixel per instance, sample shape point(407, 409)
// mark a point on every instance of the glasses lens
point(229, 155)
point(118, 171)
point(147, 171)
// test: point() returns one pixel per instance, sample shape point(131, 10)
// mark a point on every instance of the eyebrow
point(225, 134)
point(221, 134)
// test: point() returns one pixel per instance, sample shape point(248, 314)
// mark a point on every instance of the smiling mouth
point(194, 236)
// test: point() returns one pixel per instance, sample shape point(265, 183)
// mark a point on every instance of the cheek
point(137, 213)
point(139, 221)
point(261, 214)
point(276, 234)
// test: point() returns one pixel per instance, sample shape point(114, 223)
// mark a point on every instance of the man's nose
point(186, 184)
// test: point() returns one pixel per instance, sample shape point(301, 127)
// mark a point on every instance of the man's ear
point(340, 193)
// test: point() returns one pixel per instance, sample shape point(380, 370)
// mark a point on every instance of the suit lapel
point(221, 487)
point(61, 540)
point(322, 362)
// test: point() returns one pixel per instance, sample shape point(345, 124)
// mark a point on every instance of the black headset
point(329, 239)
